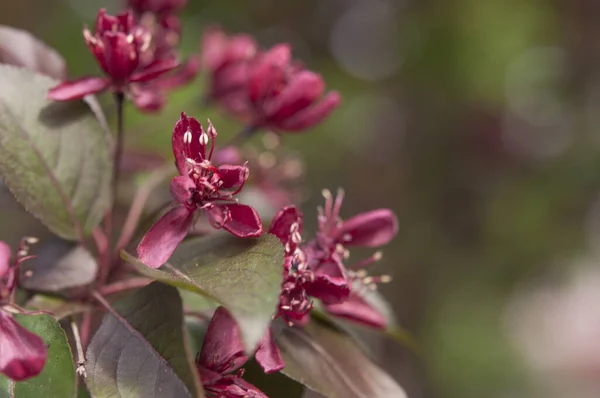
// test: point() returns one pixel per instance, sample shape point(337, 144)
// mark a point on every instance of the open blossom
point(222, 356)
point(328, 252)
point(200, 185)
point(266, 89)
point(283, 96)
point(122, 48)
point(22, 353)
point(299, 282)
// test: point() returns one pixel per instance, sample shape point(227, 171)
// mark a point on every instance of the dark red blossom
point(299, 282)
point(200, 185)
point(226, 59)
point(327, 254)
point(124, 51)
point(22, 353)
point(283, 96)
point(222, 354)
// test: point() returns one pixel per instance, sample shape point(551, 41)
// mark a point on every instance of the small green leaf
point(59, 265)
point(141, 351)
point(58, 376)
point(243, 275)
point(54, 156)
point(330, 363)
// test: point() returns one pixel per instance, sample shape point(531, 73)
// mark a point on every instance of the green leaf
point(59, 265)
point(140, 350)
point(243, 275)
point(329, 362)
point(57, 379)
point(54, 156)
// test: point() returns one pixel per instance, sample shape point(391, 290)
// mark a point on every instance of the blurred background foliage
point(475, 120)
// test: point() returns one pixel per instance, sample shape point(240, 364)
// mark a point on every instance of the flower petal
point(268, 355)
point(155, 69)
point(22, 353)
point(357, 310)
point(370, 229)
point(328, 289)
point(5, 254)
point(79, 88)
point(232, 176)
point(304, 89)
point(119, 64)
point(232, 386)
point(268, 71)
point(244, 223)
point(222, 350)
point(181, 76)
point(181, 188)
point(148, 99)
point(162, 238)
point(184, 148)
point(312, 115)
point(283, 220)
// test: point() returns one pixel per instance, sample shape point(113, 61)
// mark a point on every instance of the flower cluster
point(22, 353)
point(317, 269)
point(199, 185)
point(135, 55)
point(264, 88)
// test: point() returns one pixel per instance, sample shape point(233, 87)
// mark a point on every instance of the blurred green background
point(476, 121)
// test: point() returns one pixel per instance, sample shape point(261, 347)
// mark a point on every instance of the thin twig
point(123, 285)
point(79, 346)
point(108, 224)
point(137, 206)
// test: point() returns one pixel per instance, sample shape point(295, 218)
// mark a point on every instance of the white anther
point(130, 38)
point(31, 240)
point(203, 139)
point(187, 137)
point(326, 194)
point(385, 279)
point(377, 256)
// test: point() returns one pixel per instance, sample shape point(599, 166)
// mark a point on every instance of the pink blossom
point(222, 354)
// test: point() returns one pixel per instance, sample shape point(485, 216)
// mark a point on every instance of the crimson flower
point(300, 282)
point(282, 95)
point(222, 354)
point(121, 48)
point(226, 59)
point(22, 353)
point(200, 185)
point(156, 6)
point(328, 251)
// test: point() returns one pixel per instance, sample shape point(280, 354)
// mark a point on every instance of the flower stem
point(123, 285)
point(79, 346)
point(119, 98)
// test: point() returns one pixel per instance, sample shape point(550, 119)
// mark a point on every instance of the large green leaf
point(244, 275)
point(54, 156)
point(141, 351)
point(58, 376)
point(329, 362)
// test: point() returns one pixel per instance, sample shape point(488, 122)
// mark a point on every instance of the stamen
point(203, 139)
point(31, 240)
point(130, 38)
point(187, 137)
